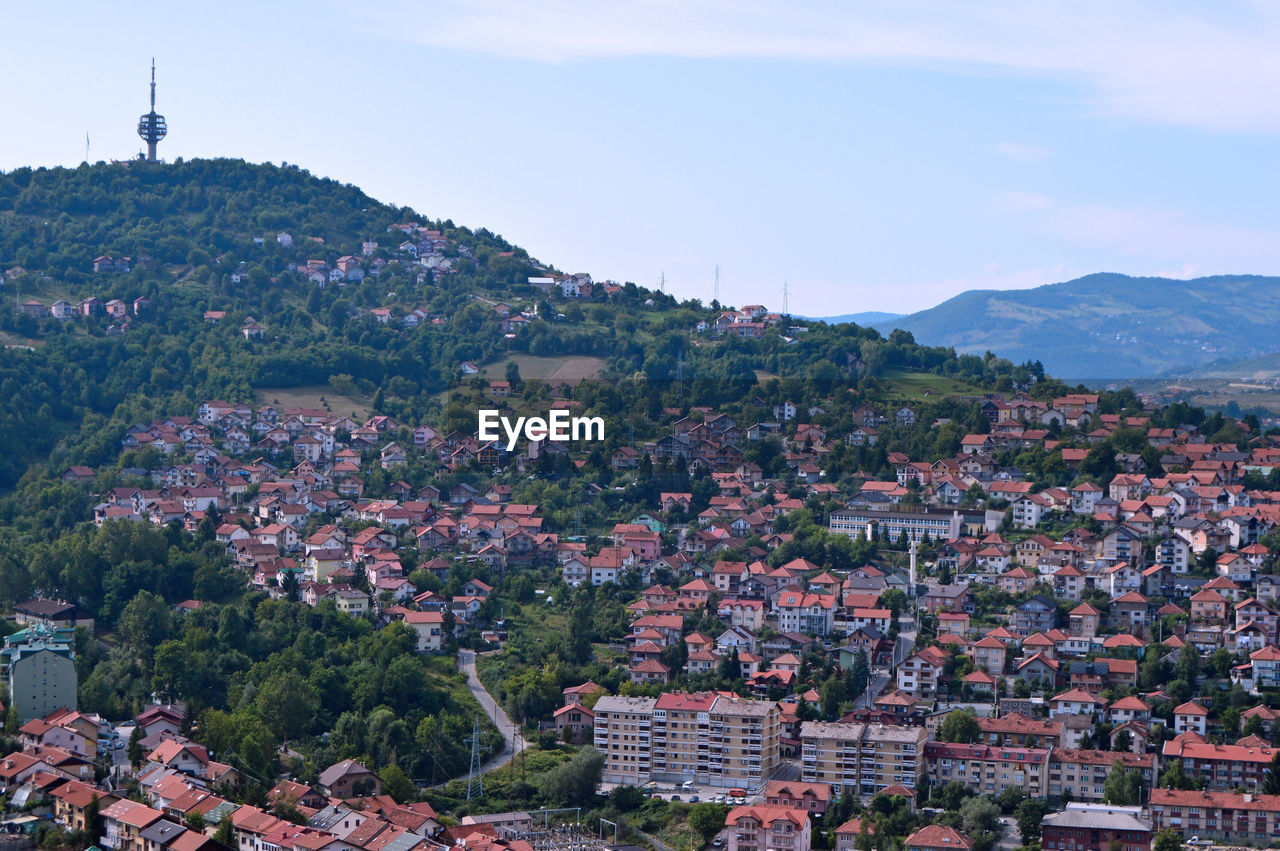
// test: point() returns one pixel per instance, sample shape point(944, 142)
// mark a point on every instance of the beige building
point(865, 758)
point(705, 738)
point(748, 736)
point(765, 828)
point(989, 769)
point(623, 728)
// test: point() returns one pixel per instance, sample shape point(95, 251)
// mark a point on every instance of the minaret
point(912, 590)
point(151, 127)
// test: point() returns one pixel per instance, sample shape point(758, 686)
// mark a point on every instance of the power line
point(475, 781)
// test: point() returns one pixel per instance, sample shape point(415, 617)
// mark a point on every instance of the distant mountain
point(1110, 326)
point(1261, 367)
point(870, 317)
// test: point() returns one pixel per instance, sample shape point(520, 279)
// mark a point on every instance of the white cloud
point(1021, 152)
point(1199, 64)
point(1150, 234)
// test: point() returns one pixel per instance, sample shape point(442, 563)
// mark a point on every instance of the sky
point(880, 155)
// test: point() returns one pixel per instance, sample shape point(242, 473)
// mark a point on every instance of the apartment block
point(864, 758)
point(1082, 774)
point(1224, 816)
point(1221, 767)
point(623, 730)
point(708, 738)
point(989, 769)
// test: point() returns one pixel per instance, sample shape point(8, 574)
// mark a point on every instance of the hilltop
point(1108, 326)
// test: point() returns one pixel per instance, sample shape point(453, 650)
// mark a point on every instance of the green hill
point(1110, 326)
point(212, 244)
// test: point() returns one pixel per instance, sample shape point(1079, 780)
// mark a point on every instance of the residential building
point(623, 733)
point(989, 769)
point(865, 758)
point(765, 828)
point(40, 665)
point(1082, 774)
point(1220, 766)
point(937, 837)
point(1226, 816)
point(1096, 826)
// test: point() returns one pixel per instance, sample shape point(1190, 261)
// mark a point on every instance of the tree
point(573, 783)
point(950, 796)
point(398, 785)
point(144, 623)
point(859, 674)
point(225, 833)
point(708, 819)
point(93, 820)
point(1175, 776)
point(830, 699)
point(135, 745)
point(1271, 784)
point(1123, 742)
point(981, 819)
point(626, 798)
point(1030, 815)
point(960, 725)
point(288, 703)
point(1167, 840)
point(1124, 786)
point(1189, 664)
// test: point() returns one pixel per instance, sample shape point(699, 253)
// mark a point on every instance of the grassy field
point(8, 338)
point(557, 370)
point(356, 407)
point(920, 385)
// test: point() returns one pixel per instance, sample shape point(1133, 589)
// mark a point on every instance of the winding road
point(467, 663)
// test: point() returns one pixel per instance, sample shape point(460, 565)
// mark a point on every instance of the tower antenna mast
point(152, 127)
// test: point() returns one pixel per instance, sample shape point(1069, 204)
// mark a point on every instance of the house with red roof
point(1190, 717)
point(761, 827)
point(937, 837)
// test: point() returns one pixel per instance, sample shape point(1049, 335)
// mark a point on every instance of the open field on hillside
point(569, 369)
point(919, 385)
point(356, 407)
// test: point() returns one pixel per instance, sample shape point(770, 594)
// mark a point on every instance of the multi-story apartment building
point(707, 738)
point(1217, 815)
point(765, 828)
point(989, 769)
point(1082, 774)
point(747, 737)
point(682, 736)
point(623, 731)
point(864, 758)
point(1221, 766)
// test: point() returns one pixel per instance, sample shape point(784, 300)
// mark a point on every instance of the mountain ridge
point(1109, 325)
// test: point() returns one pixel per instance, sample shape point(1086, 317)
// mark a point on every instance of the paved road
point(467, 663)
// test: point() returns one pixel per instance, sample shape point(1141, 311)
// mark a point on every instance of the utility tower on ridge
point(151, 127)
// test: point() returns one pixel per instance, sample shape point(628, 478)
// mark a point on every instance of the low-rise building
point(1090, 826)
point(766, 828)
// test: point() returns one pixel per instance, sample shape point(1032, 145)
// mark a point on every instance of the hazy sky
point(876, 155)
